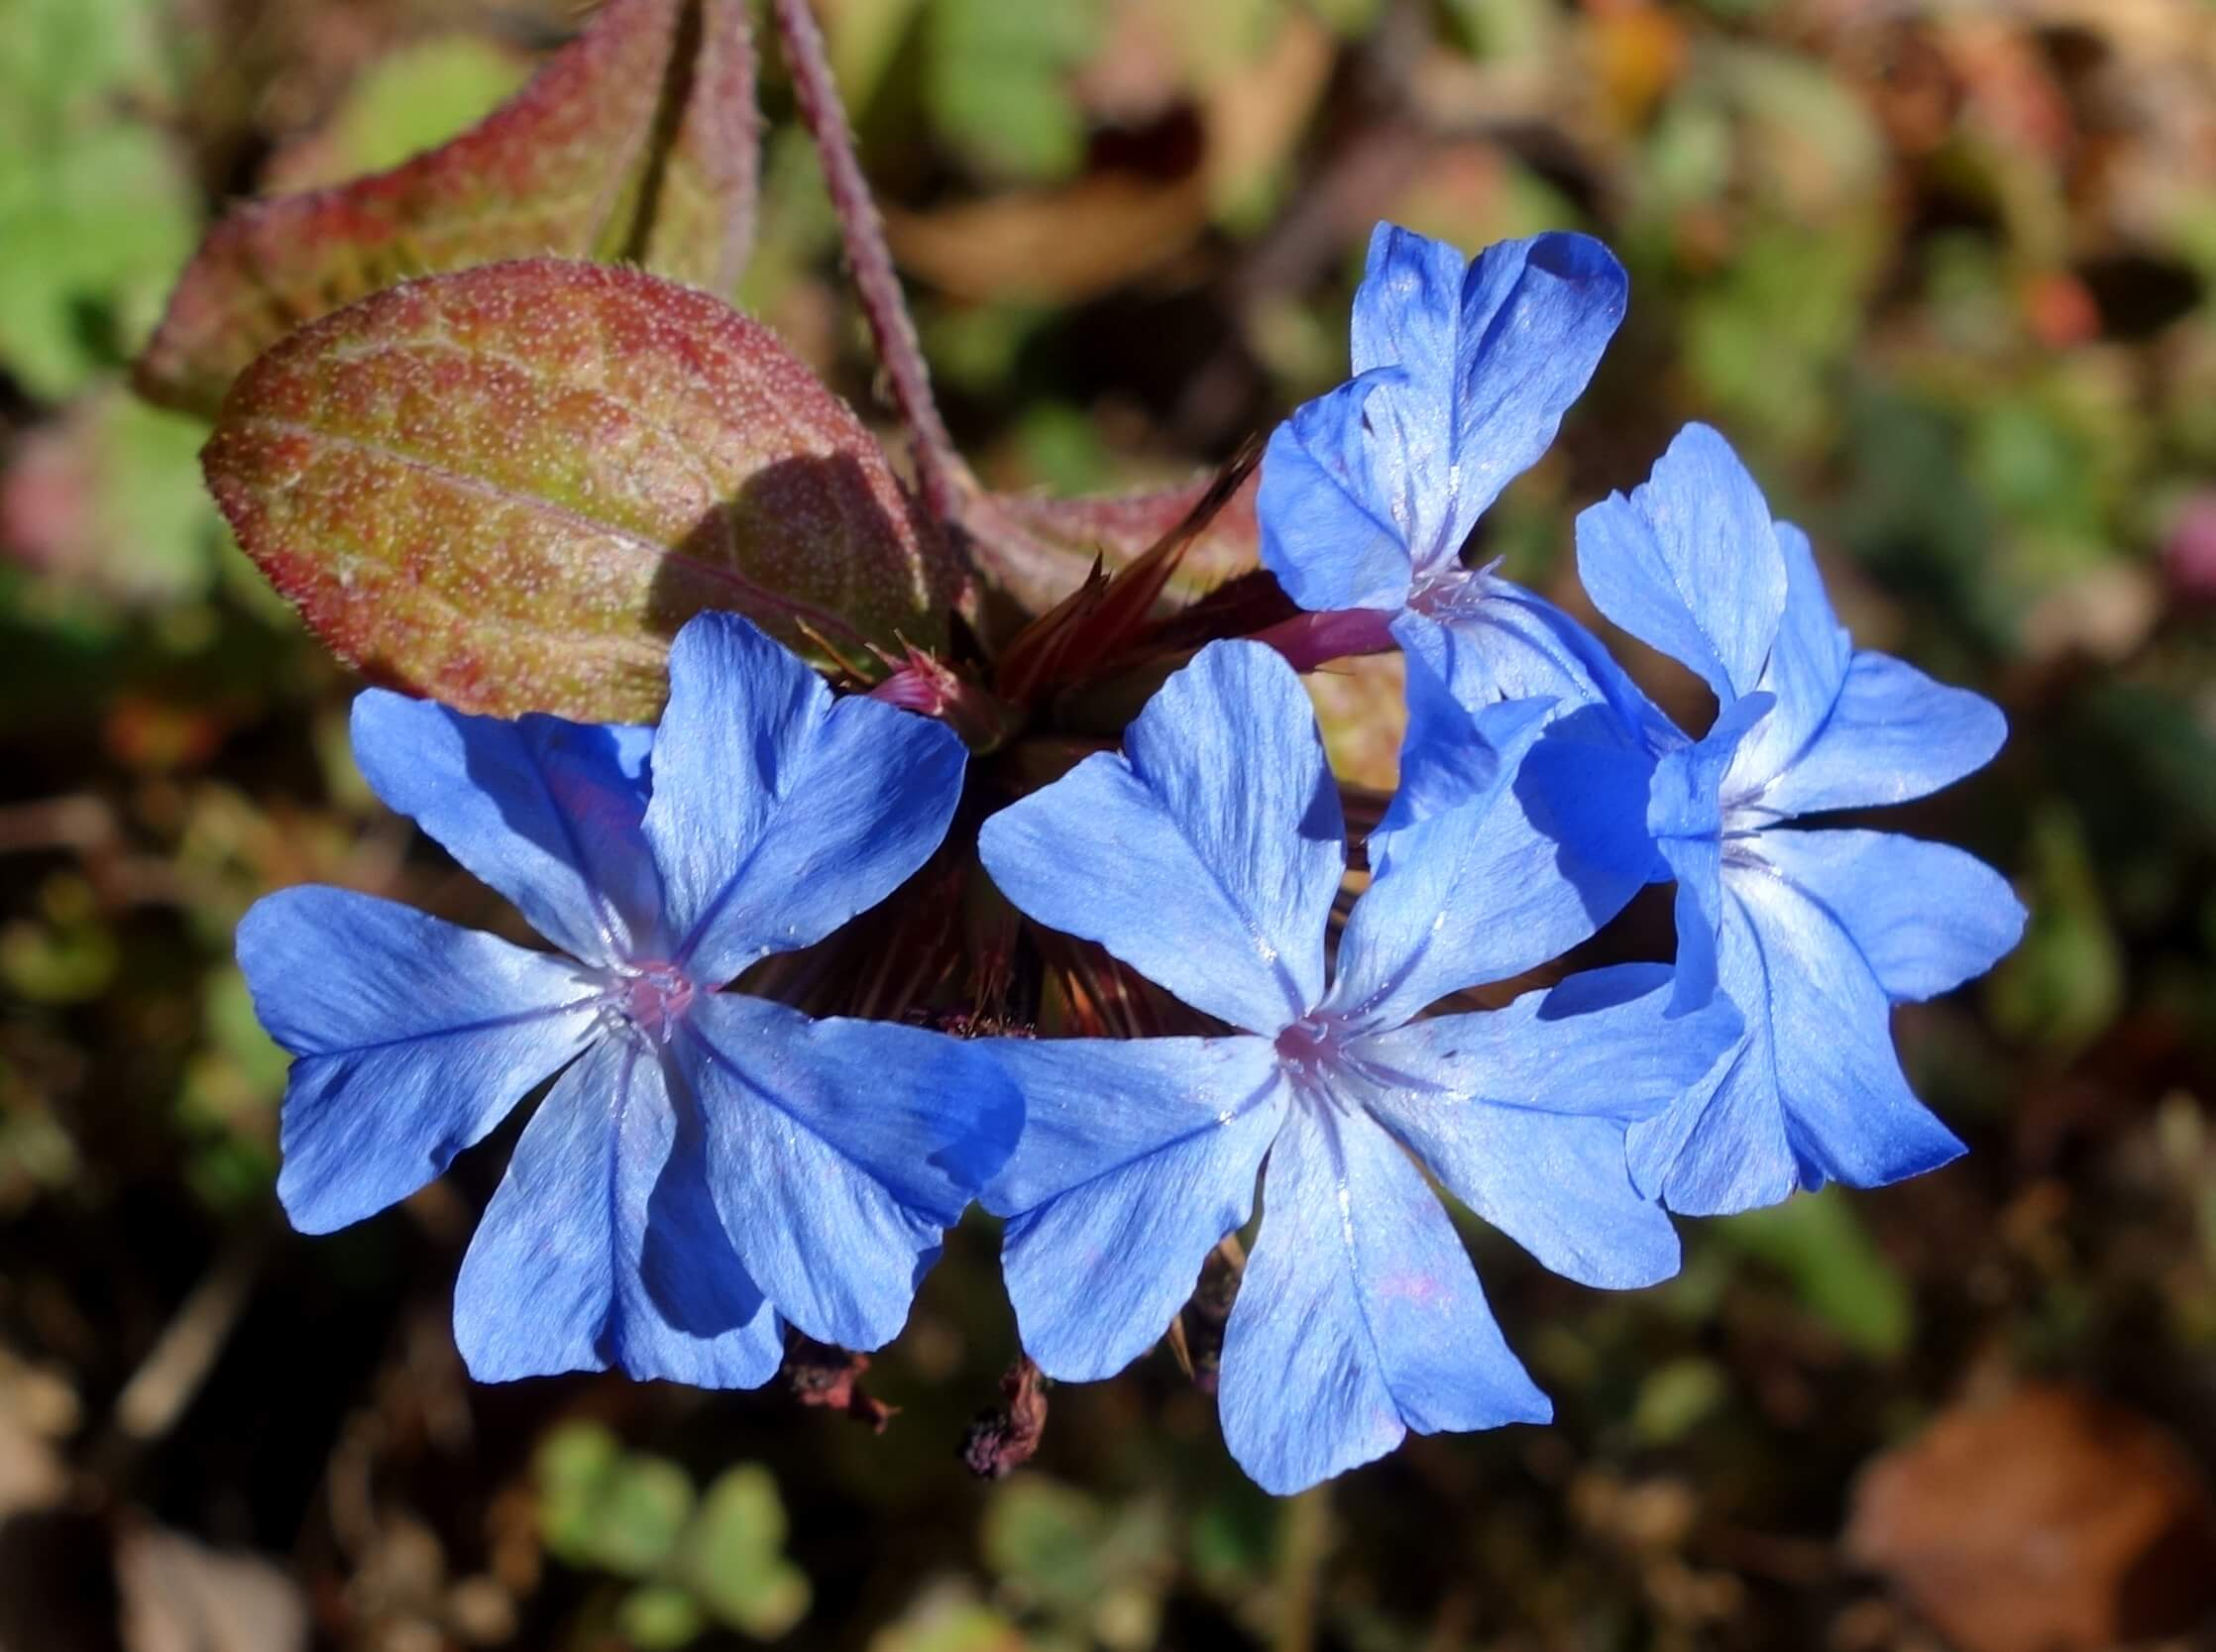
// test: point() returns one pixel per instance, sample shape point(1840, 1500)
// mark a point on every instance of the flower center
point(1443, 592)
point(1316, 1062)
point(653, 997)
point(1305, 1046)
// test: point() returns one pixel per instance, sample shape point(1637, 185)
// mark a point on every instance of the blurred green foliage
point(714, 1556)
point(97, 204)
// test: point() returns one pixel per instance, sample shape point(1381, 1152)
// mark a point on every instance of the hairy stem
point(938, 468)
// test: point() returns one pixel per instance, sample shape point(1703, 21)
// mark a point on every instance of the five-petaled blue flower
point(1812, 933)
point(709, 1165)
point(1462, 373)
point(1207, 856)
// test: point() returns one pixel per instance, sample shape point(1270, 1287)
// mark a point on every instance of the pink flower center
point(1306, 1046)
point(653, 997)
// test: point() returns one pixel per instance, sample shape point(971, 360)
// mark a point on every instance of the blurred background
point(1941, 267)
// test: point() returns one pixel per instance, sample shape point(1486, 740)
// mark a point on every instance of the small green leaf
point(659, 1616)
point(863, 38)
point(641, 1514)
point(96, 213)
point(1047, 1535)
point(574, 1467)
point(949, 1621)
point(65, 955)
point(732, 1557)
point(997, 83)
point(1094, 1572)
point(1818, 1243)
point(2064, 984)
point(403, 104)
point(509, 488)
point(1674, 1397)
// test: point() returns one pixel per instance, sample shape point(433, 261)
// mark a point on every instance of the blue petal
point(1491, 366)
point(1892, 734)
point(1409, 308)
point(1327, 533)
point(1926, 916)
point(601, 1247)
point(1723, 1147)
point(1521, 1112)
point(543, 810)
point(1536, 315)
point(1803, 674)
point(413, 1039)
point(1689, 564)
point(1208, 855)
point(1815, 1093)
point(839, 1152)
point(1697, 908)
point(1137, 1158)
point(1481, 892)
point(1685, 813)
point(1360, 1316)
point(1489, 639)
point(777, 814)
point(1408, 315)
point(1454, 757)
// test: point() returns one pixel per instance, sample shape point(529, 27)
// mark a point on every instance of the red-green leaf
point(509, 488)
point(636, 141)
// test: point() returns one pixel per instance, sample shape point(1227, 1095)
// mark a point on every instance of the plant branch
point(1301, 1542)
point(938, 468)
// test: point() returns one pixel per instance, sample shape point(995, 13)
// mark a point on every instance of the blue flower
point(1462, 373)
point(1462, 376)
point(1812, 933)
point(708, 1166)
point(1207, 856)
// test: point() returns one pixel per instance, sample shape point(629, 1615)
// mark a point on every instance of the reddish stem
point(1308, 640)
point(938, 468)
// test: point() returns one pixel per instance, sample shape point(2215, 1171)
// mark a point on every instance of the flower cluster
point(710, 1166)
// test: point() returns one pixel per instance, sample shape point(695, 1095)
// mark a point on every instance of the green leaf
point(606, 1508)
point(997, 83)
point(62, 60)
point(946, 1622)
point(1048, 1536)
point(659, 1616)
point(1674, 1397)
point(636, 141)
point(1818, 1242)
point(408, 102)
point(863, 38)
point(2063, 985)
point(509, 488)
point(574, 1465)
point(733, 1559)
point(95, 212)
point(66, 955)
point(1503, 28)
point(1086, 1567)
